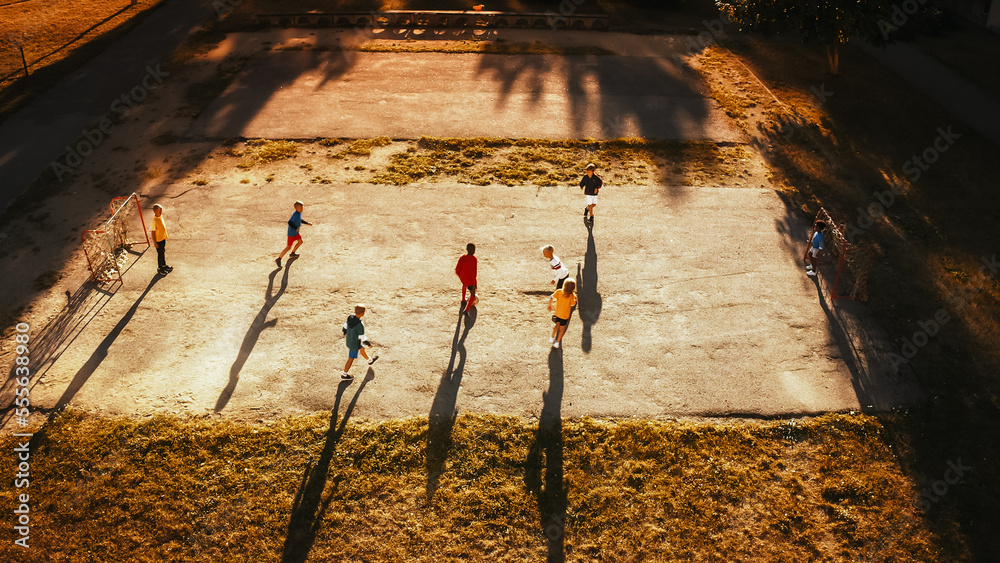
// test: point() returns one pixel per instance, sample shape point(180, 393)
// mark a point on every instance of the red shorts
point(291, 240)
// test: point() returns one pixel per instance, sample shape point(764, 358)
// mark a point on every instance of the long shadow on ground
point(101, 352)
point(443, 411)
point(552, 501)
point(588, 299)
point(258, 325)
point(309, 507)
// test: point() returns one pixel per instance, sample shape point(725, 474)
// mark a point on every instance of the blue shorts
point(353, 354)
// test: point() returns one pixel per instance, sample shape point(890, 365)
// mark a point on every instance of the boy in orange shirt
point(159, 232)
point(466, 270)
point(563, 300)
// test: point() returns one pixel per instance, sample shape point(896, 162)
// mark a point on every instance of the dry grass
point(58, 37)
point(495, 161)
point(362, 147)
point(117, 489)
point(254, 152)
point(484, 47)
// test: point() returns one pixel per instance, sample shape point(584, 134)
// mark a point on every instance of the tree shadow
point(441, 419)
point(258, 325)
point(95, 360)
point(309, 507)
point(589, 301)
point(626, 95)
point(551, 493)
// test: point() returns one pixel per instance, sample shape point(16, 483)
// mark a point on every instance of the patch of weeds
point(330, 142)
point(484, 47)
point(200, 182)
point(363, 147)
point(269, 178)
point(360, 167)
point(264, 151)
point(320, 180)
point(245, 181)
point(306, 166)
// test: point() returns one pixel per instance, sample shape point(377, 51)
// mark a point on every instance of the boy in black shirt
point(591, 184)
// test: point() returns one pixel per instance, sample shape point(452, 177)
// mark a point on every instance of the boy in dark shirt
point(591, 184)
point(354, 332)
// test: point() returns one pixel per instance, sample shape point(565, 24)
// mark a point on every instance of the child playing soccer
point(564, 299)
point(354, 331)
point(466, 270)
point(294, 224)
point(159, 233)
point(590, 184)
point(559, 272)
point(814, 248)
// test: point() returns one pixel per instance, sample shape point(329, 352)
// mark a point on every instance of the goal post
point(124, 211)
point(101, 259)
point(107, 248)
point(854, 260)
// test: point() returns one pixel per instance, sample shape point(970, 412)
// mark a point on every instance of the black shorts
point(560, 281)
point(558, 321)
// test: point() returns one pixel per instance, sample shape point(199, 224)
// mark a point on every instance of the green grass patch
point(488, 488)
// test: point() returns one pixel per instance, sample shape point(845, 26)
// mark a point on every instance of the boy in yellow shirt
point(563, 300)
point(159, 234)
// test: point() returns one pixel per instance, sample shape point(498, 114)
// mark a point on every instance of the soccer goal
point(854, 260)
point(107, 248)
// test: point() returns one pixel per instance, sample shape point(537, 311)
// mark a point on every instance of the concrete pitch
point(692, 301)
point(300, 95)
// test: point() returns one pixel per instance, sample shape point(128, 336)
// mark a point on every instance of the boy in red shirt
point(466, 271)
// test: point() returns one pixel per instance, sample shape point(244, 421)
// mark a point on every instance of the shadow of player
point(443, 412)
point(588, 299)
point(88, 369)
point(550, 492)
point(308, 508)
point(258, 325)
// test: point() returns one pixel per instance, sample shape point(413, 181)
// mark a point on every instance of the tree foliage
point(821, 21)
point(827, 22)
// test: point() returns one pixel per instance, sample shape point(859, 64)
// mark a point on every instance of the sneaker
point(162, 272)
point(810, 273)
point(552, 340)
point(278, 261)
point(346, 376)
point(293, 255)
point(584, 211)
point(169, 268)
point(555, 344)
point(372, 361)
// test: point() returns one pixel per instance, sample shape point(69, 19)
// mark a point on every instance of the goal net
point(854, 260)
point(107, 248)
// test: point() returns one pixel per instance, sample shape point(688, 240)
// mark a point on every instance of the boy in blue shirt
point(814, 248)
point(294, 224)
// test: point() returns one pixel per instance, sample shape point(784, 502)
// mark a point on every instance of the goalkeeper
point(354, 331)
